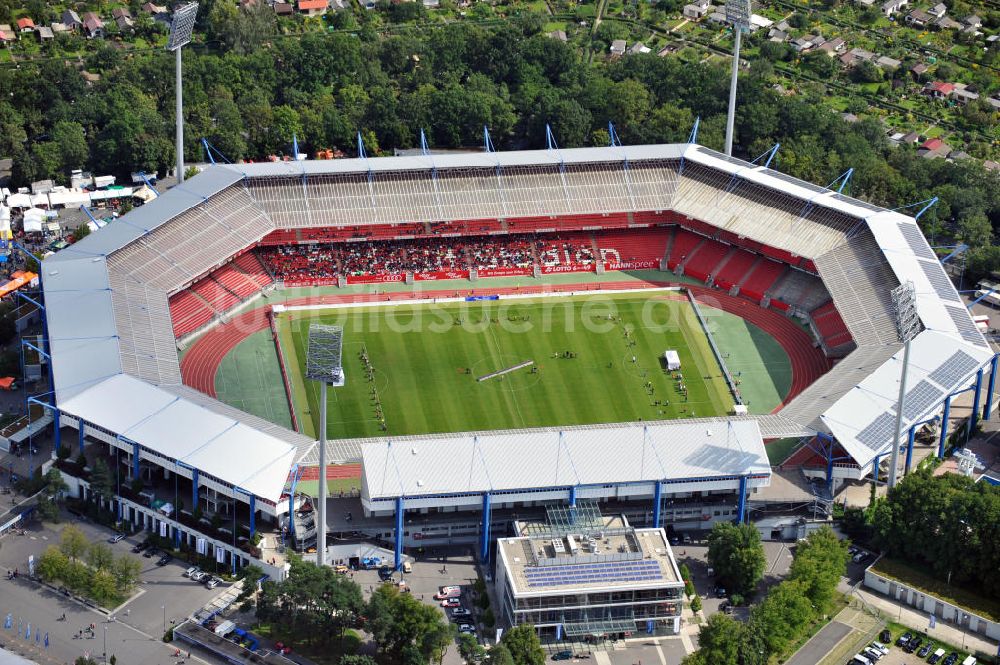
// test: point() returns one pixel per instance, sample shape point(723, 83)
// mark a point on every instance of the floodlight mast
point(181, 29)
point(738, 14)
point(323, 364)
point(908, 325)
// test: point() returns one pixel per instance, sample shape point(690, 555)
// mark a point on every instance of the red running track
point(201, 363)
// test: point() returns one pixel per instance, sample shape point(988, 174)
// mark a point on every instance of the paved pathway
point(820, 644)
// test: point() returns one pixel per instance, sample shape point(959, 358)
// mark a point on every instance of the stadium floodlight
point(324, 364)
point(181, 29)
point(738, 13)
point(904, 306)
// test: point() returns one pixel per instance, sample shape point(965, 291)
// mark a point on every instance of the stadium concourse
point(120, 303)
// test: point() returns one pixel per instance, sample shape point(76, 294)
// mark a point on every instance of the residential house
point(890, 7)
point(918, 18)
point(866, 3)
point(938, 89)
point(153, 10)
point(856, 55)
point(71, 20)
point(962, 95)
point(25, 25)
point(919, 69)
point(911, 138)
point(933, 148)
point(807, 43)
point(758, 22)
point(972, 22)
point(849, 117)
point(123, 17)
point(697, 10)
point(885, 62)
point(674, 48)
point(60, 29)
point(639, 47)
point(7, 36)
point(617, 48)
point(429, 4)
point(313, 7)
point(783, 26)
point(90, 77)
point(947, 23)
point(283, 8)
point(834, 46)
point(776, 35)
point(559, 35)
point(958, 155)
point(938, 10)
point(93, 26)
point(45, 34)
point(718, 15)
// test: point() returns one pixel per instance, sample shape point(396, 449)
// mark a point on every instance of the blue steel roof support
point(615, 143)
point(735, 179)
point(552, 146)
point(142, 174)
point(434, 173)
point(371, 175)
point(843, 178)
point(489, 147)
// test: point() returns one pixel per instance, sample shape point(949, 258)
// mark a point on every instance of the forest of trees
point(451, 80)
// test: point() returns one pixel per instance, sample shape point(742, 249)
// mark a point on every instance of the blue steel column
point(80, 424)
point(398, 562)
point(572, 496)
point(974, 418)
point(135, 460)
point(909, 449)
point(194, 489)
point(253, 515)
point(990, 388)
point(878, 458)
point(944, 426)
point(657, 500)
point(484, 544)
point(741, 508)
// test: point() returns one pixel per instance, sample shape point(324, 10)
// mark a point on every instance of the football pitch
point(533, 362)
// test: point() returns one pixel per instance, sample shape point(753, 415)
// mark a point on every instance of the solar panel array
point(953, 370)
point(878, 432)
point(939, 281)
point(858, 203)
point(724, 157)
point(644, 570)
point(778, 175)
point(966, 326)
point(915, 239)
point(921, 398)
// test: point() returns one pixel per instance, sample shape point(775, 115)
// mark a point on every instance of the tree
point(781, 617)
point(696, 604)
point(820, 561)
point(357, 659)
point(52, 564)
point(125, 570)
point(100, 556)
point(73, 543)
point(524, 646)
point(975, 229)
point(100, 480)
point(103, 588)
point(500, 655)
point(70, 142)
point(718, 642)
point(469, 648)
point(737, 555)
point(79, 233)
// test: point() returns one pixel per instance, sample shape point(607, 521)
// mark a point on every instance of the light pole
point(904, 304)
point(105, 644)
point(181, 29)
point(164, 608)
point(323, 364)
point(738, 13)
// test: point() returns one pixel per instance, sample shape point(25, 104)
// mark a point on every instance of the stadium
point(176, 339)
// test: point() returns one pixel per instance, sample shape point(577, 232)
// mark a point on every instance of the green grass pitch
point(425, 360)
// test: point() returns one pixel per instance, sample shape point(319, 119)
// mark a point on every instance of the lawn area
point(779, 449)
point(426, 359)
point(918, 579)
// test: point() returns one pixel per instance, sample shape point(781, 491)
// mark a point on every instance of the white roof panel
point(590, 455)
point(863, 420)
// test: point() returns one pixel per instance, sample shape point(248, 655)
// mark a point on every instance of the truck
point(370, 562)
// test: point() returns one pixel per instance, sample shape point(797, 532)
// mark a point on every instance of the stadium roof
point(625, 453)
point(107, 296)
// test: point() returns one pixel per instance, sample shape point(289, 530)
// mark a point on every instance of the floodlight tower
point(904, 305)
point(738, 14)
point(181, 29)
point(323, 364)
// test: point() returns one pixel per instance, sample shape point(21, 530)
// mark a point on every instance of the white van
point(860, 660)
point(971, 660)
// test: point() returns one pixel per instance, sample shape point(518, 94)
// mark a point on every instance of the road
point(820, 644)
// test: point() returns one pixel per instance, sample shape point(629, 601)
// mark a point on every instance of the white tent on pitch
point(672, 359)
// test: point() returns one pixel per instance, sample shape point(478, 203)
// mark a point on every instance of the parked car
point(936, 656)
point(282, 648)
point(453, 592)
point(951, 659)
point(881, 648)
point(924, 650)
point(451, 602)
point(341, 568)
point(872, 654)
point(199, 576)
point(904, 639)
point(191, 571)
point(139, 548)
point(686, 539)
point(913, 644)
point(859, 557)
point(385, 573)
point(720, 592)
point(212, 582)
point(117, 538)
point(467, 628)
point(150, 553)
point(460, 613)
point(163, 560)
point(885, 637)
point(562, 655)
point(450, 590)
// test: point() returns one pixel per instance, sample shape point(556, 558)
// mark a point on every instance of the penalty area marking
point(506, 370)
